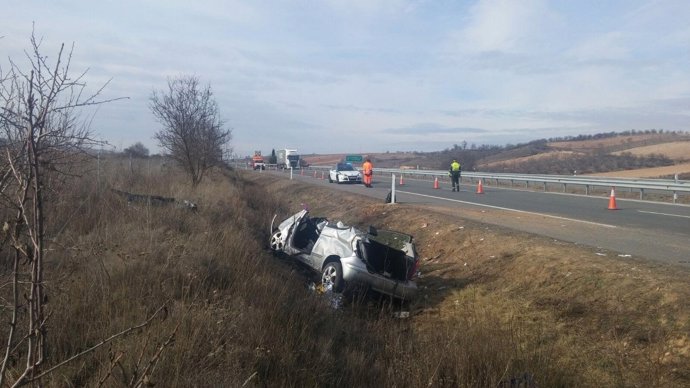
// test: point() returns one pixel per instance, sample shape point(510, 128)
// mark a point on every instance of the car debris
point(155, 200)
point(382, 260)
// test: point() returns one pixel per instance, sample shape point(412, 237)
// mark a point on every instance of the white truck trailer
point(287, 158)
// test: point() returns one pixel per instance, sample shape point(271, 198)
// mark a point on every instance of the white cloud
point(504, 25)
point(608, 46)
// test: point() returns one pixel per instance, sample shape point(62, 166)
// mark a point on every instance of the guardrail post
point(565, 186)
point(641, 194)
point(675, 196)
point(393, 188)
point(544, 186)
point(586, 189)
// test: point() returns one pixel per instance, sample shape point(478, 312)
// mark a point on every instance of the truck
point(287, 158)
point(258, 161)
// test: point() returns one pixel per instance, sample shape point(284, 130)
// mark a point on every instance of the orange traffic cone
point(436, 183)
point(480, 187)
point(401, 181)
point(612, 199)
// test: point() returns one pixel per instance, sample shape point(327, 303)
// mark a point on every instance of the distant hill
point(584, 154)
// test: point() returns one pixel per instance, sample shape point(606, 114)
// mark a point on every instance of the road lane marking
point(512, 210)
point(664, 214)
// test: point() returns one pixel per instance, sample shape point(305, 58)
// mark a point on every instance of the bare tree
point(43, 141)
point(192, 133)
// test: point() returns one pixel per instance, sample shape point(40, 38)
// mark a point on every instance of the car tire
point(276, 242)
point(332, 275)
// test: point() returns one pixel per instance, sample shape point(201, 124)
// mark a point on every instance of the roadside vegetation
point(207, 305)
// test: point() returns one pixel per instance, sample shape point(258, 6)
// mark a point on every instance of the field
point(495, 306)
point(545, 155)
point(682, 169)
point(679, 151)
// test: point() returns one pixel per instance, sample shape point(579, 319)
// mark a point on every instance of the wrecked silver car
point(383, 260)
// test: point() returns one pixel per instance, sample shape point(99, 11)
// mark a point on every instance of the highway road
point(640, 229)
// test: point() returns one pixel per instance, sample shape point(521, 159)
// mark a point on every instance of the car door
point(284, 235)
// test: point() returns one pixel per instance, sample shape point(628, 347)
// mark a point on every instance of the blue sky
point(359, 76)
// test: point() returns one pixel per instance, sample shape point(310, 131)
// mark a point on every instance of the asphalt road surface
point(640, 229)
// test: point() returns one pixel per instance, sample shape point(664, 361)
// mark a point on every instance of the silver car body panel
point(336, 241)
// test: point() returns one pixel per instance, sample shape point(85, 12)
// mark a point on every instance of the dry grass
point(678, 151)
point(633, 140)
point(517, 161)
point(682, 169)
point(520, 308)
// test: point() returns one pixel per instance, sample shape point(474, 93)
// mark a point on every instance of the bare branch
point(94, 347)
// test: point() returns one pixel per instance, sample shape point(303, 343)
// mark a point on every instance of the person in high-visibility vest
point(368, 170)
point(454, 173)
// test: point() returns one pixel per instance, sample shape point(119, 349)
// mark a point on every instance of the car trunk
point(386, 260)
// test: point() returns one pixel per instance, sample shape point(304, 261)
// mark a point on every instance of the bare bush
point(137, 150)
point(192, 133)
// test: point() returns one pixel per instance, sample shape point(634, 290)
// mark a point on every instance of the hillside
point(648, 152)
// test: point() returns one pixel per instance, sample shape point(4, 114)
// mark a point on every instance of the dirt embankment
point(611, 320)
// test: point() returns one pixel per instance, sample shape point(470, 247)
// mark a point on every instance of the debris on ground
point(335, 300)
point(155, 200)
point(401, 314)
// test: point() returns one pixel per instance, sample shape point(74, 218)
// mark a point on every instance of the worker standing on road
point(454, 173)
point(368, 170)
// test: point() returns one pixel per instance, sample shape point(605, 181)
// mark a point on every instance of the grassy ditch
point(495, 306)
point(556, 311)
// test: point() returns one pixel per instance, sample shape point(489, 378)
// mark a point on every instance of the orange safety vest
point(367, 167)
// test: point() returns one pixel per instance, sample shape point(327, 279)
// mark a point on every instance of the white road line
point(509, 209)
point(664, 214)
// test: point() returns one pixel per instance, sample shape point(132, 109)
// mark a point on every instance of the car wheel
point(332, 277)
point(277, 241)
